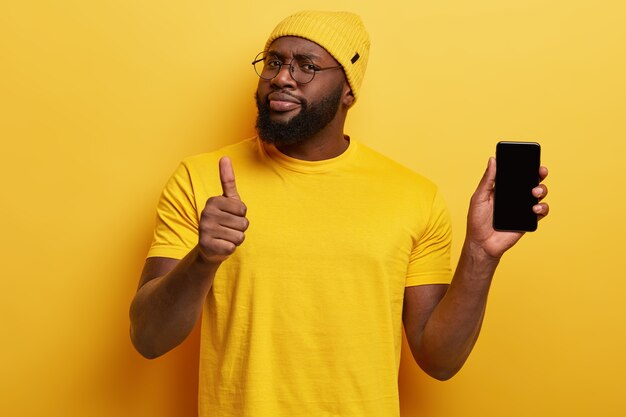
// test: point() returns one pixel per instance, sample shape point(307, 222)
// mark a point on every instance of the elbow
point(437, 364)
point(439, 369)
point(139, 333)
point(442, 374)
point(143, 348)
point(148, 355)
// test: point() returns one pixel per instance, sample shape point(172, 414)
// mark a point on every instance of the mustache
point(266, 101)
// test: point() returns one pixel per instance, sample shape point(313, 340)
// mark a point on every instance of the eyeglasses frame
point(290, 65)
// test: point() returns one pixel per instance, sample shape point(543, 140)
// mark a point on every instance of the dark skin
point(171, 293)
point(442, 322)
point(330, 141)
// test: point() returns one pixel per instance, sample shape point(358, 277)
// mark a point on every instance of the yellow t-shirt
point(305, 318)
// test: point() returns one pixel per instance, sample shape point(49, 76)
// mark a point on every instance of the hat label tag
point(355, 58)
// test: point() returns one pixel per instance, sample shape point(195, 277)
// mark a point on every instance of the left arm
point(442, 323)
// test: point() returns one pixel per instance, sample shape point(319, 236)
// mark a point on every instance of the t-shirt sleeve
point(429, 261)
point(176, 231)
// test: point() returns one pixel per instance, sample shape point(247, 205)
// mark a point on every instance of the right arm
point(171, 293)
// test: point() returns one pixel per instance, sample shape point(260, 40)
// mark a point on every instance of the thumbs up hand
point(223, 221)
point(227, 178)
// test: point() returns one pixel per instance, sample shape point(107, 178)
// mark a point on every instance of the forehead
point(292, 45)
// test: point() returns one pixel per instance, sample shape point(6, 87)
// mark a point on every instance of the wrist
point(477, 260)
point(205, 262)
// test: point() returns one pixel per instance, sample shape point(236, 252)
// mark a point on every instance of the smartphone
point(517, 173)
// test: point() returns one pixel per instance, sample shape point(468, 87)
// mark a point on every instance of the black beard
point(303, 126)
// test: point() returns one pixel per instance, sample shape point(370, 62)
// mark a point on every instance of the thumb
point(488, 180)
point(227, 178)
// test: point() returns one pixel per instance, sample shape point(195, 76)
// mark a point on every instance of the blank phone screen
point(517, 173)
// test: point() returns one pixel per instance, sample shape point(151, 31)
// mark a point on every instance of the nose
point(283, 78)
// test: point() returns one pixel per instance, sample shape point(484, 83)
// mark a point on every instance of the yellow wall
point(99, 100)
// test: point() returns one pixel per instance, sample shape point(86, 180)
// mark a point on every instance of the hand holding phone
point(517, 173)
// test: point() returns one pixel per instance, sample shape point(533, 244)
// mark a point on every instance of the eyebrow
point(309, 56)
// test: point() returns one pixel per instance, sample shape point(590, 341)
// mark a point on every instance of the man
point(308, 250)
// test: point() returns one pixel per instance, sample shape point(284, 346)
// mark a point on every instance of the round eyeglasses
point(302, 70)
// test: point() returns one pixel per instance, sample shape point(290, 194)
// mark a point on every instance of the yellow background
point(99, 100)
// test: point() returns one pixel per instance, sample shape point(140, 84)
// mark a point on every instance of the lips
point(282, 102)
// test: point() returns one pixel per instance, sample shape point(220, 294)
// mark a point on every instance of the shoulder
point(240, 151)
point(205, 166)
point(201, 171)
point(396, 175)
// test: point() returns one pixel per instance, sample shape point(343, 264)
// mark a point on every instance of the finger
point(541, 210)
point(222, 215)
point(236, 237)
point(233, 205)
point(227, 178)
point(210, 233)
point(234, 222)
point(543, 173)
point(484, 190)
point(218, 247)
point(215, 206)
point(488, 180)
point(540, 191)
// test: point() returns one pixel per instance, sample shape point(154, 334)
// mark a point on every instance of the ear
point(347, 98)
